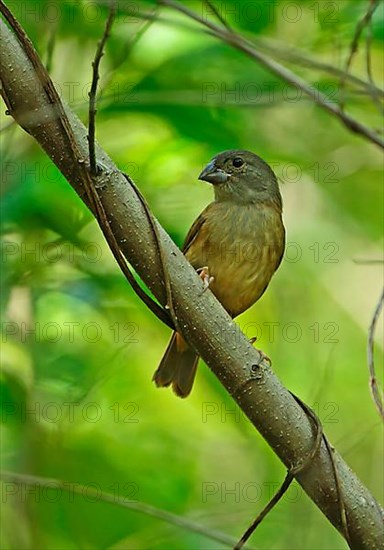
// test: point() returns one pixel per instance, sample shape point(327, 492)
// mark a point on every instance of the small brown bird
point(238, 240)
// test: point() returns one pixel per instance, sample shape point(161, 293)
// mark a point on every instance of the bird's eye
point(237, 162)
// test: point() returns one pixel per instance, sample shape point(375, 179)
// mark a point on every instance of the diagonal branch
point(297, 57)
point(205, 324)
point(273, 48)
point(246, 46)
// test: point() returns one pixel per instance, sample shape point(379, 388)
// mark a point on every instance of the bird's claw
point(264, 357)
point(205, 277)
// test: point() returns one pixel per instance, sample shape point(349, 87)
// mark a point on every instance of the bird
point(236, 243)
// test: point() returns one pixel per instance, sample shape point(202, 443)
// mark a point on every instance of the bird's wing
point(196, 227)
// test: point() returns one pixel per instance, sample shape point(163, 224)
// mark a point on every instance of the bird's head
point(242, 177)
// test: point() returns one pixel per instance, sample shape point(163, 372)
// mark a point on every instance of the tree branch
point(206, 325)
point(237, 41)
point(297, 57)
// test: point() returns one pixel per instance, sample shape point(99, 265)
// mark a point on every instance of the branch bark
point(206, 325)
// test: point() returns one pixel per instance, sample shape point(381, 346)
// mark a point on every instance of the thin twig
point(92, 94)
point(160, 251)
point(124, 55)
point(97, 494)
point(248, 48)
point(279, 51)
point(377, 394)
point(291, 473)
point(218, 15)
point(274, 500)
point(368, 60)
point(364, 22)
point(92, 155)
point(297, 57)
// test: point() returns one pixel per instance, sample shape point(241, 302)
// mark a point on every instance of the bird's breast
point(242, 246)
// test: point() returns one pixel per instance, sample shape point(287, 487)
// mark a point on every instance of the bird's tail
point(177, 367)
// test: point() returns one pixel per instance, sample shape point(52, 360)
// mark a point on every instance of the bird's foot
point(263, 356)
point(205, 277)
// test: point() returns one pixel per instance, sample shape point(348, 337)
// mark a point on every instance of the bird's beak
point(213, 175)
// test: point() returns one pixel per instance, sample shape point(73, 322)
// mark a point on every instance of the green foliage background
point(171, 98)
